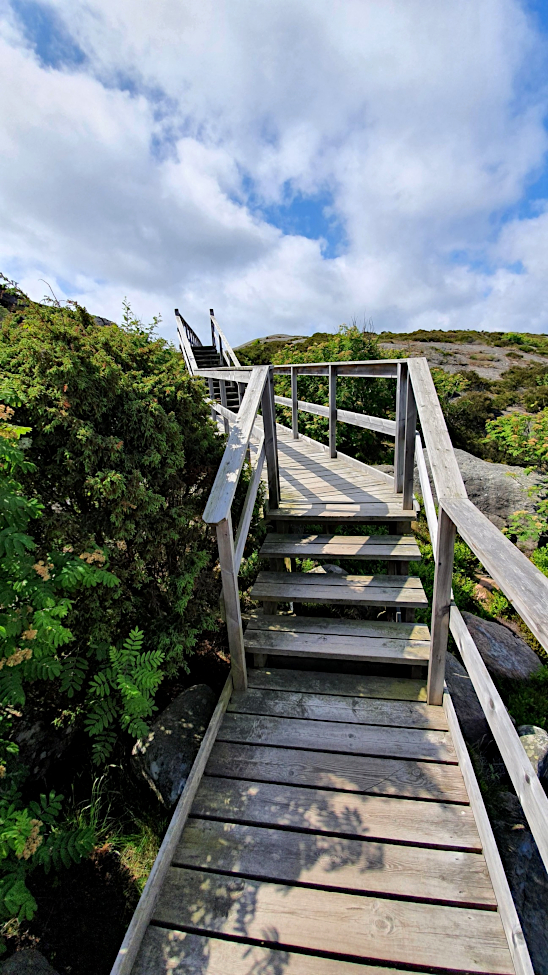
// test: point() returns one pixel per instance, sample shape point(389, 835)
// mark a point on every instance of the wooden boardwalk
point(332, 831)
point(333, 820)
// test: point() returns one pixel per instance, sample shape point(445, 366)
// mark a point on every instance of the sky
point(293, 164)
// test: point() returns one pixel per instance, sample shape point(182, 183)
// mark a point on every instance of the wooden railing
point(219, 339)
point(259, 392)
point(188, 340)
point(416, 398)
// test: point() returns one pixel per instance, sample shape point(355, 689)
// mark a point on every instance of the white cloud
point(130, 174)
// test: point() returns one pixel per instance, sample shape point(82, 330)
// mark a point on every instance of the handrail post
point(271, 443)
point(441, 607)
point(212, 315)
point(401, 400)
point(224, 402)
point(294, 404)
point(409, 444)
point(332, 409)
point(231, 597)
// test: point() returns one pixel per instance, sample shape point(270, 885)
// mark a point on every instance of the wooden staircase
point(396, 641)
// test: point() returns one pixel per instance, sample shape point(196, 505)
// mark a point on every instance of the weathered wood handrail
point(186, 346)
point(226, 351)
point(220, 500)
point(523, 583)
point(366, 369)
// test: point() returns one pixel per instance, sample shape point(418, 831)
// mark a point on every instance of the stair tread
point(377, 641)
point(378, 590)
point(388, 547)
point(370, 511)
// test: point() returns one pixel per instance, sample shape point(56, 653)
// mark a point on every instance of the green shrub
point(376, 397)
point(125, 454)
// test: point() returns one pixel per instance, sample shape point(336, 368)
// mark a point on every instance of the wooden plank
point(353, 685)
point(507, 910)
point(327, 736)
point(441, 603)
point(355, 926)
point(336, 581)
point(226, 481)
point(448, 876)
point(384, 629)
point(373, 368)
point(521, 582)
point(184, 953)
point(242, 375)
point(330, 647)
point(231, 598)
point(524, 779)
point(374, 590)
point(330, 511)
point(331, 707)
point(397, 547)
point(413, 821)
point(143, 912)
point(345, 773)
point(445, 470)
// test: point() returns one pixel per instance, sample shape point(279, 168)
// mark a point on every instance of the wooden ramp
point(332, 826)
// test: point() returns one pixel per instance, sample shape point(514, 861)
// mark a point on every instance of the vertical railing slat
point(409, 445)
point(231, 597)
point(399, 446)
point(271, 443)
point(332, 409)
point(441, 607)
point(224, 402)
point(294, 404)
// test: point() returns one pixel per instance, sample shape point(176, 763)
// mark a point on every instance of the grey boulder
point(164, 759)
point(27, 962)
point(469, 710)
point(498, 490)
point(503, 653)
point(535, 743)
point(327, 567)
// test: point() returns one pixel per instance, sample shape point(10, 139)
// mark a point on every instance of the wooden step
point(309, 587)
point(390, 548)
point(308, 636)
point(369, 512)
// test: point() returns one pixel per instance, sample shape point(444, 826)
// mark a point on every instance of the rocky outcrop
point(503, 653)
point(27, 962)
point(535, 743)
point(164, 759)
point(469, 710)
point(498, 490)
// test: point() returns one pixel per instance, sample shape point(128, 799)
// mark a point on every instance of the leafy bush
point(124, 453)
point(375, 397)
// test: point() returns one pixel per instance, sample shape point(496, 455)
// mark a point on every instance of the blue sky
point(293, 164)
